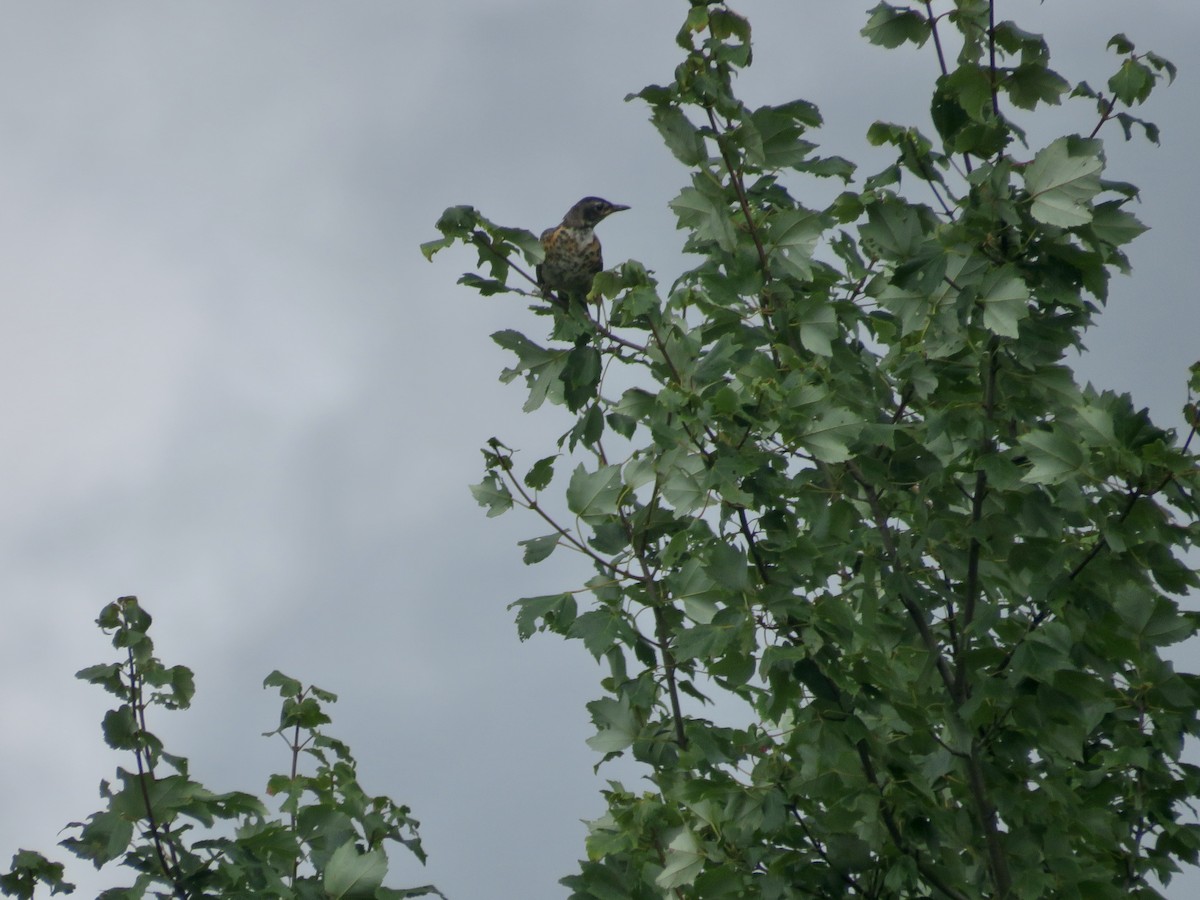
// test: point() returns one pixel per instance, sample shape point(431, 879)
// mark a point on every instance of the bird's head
point(590, 210)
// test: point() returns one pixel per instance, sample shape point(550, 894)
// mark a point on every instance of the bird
point(572, 250)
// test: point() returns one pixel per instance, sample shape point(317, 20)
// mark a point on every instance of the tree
point(881, 589)
point(329, 842)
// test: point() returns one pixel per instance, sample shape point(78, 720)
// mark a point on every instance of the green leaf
point(1005, 300)
point(792, 236)
point(706, 215)
point(30, 869)
point(1114, 225)
point(695, 588)
point(680, 135)
point(493, 494)
point(351, 874)
point(598, 629)
point(537, 549)
point(727, 567)
point(818, 325)
point(540, 473)
point(553, 611)
point(581, 375)
point(889, 26)
point(1132, 83)
point(893, 230)
point(1028, 85)
point(616, 725)
point(829, 436)
point(593, 495)
point(1120, 43)
point(684, 861)
point(105, 837)
point(1054, 456)
point(684, 487)
point(1062, 179)
point(120, 728)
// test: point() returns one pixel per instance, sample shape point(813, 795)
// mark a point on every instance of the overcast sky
point(234, 387)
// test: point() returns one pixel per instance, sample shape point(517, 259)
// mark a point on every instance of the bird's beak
point(614, 207)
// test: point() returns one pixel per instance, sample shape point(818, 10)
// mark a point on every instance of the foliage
point(328, 843)
point(882, 590)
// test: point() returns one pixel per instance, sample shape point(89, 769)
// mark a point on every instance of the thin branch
point(735, 179)
point(889, 822)
point(941, 55)
point(991, 828)
point(992, 58)
point(574, 542)
point(891, 551)
point(976, 783)
point(1100, 544)
point(972, 589)
point(145, 767)
point(1105, 115)
point(937, 39)
point(849, 879)
point(662, 628)
point(752, 544)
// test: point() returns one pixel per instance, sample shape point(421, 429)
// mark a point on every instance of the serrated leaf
point(288, 687)
point(528, 353)
point(540, 473)
point(615, 723)
point(706, 217)
point(893, 230)
point(1005, 299)
point(891, 27)
point(538, 548)
point(680, 135)
point(684, 487)
point(1114, 225)
point(598, 629)
point(696, 590)
point(1028, 85)
point(829, 435)
point(553, 611)
point(1132, 83)
point(1062, 179)
point(1054, 456)
point(818, 325)
point(793, 233)
point(350, 874)
point(684, 861)
point(594, 494)
point(727, 567)
point(492, 494)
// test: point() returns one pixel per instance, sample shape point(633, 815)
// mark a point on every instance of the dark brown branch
point(574, 542)
point(1100, 544)
point(937, 39)
point(991, 829)
point(909, 603)
point(145, 767)
point(1105, 115)
point(735, 178)
point(992, 58)
point(889, 822)
point(662, 632)
point(976, 783)
point(972, 588)
point(664, 645)
point(846, 877)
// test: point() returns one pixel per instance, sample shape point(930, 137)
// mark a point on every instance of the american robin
point(573, 250)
